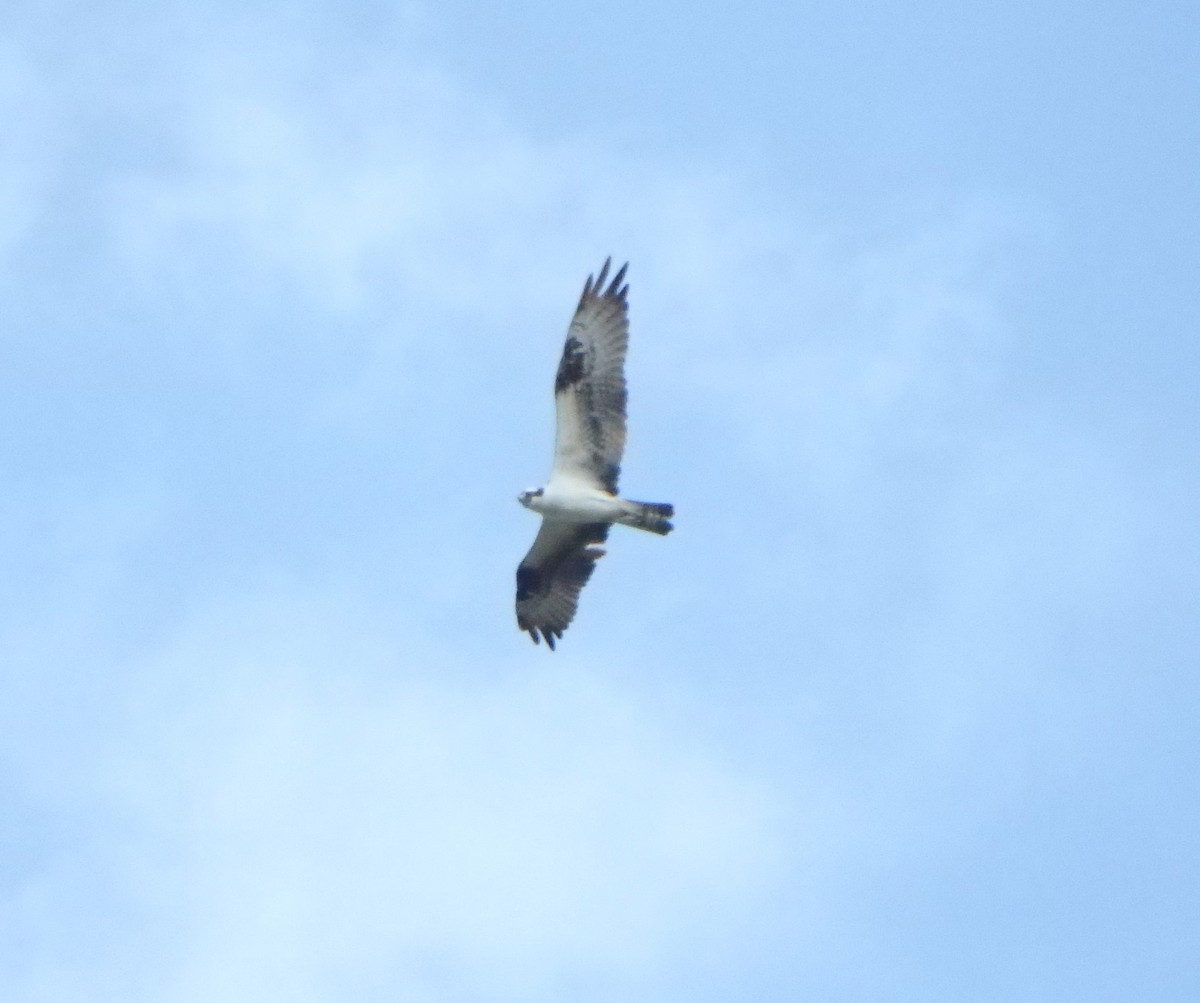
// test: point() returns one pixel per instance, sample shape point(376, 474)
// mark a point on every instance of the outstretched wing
point(554, 571)
point(589, 389)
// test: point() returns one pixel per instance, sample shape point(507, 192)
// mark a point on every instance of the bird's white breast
point(576, 503)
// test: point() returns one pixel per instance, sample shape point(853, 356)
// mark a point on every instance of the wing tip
point(539, 633)
point(617, 288)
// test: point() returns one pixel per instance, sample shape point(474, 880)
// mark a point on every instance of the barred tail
point(651, 516)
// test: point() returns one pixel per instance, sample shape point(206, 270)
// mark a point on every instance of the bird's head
point(526, 497)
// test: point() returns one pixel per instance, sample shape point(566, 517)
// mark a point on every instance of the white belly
point(577, 505)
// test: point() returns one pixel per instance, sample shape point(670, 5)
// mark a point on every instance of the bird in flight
point(579, 503)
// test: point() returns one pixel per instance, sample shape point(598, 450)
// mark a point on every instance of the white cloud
point(24, 157)
point(344, 811)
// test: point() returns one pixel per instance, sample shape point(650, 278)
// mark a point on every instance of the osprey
point(579, 502)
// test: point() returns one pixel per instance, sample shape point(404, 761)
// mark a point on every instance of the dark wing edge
point(591, 374)
point(615, 290)
point(553, 573)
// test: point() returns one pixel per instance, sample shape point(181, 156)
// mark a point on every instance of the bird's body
point(569, 500)
point(580, 502)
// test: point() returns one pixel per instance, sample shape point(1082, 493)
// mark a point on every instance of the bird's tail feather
point(654, 517)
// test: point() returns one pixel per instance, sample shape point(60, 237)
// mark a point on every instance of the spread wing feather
point(589, 388)
point(554, 571)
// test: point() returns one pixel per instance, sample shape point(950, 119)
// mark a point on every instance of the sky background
point(906, 707)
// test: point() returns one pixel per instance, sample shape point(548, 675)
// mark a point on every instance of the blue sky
point(904, 709)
